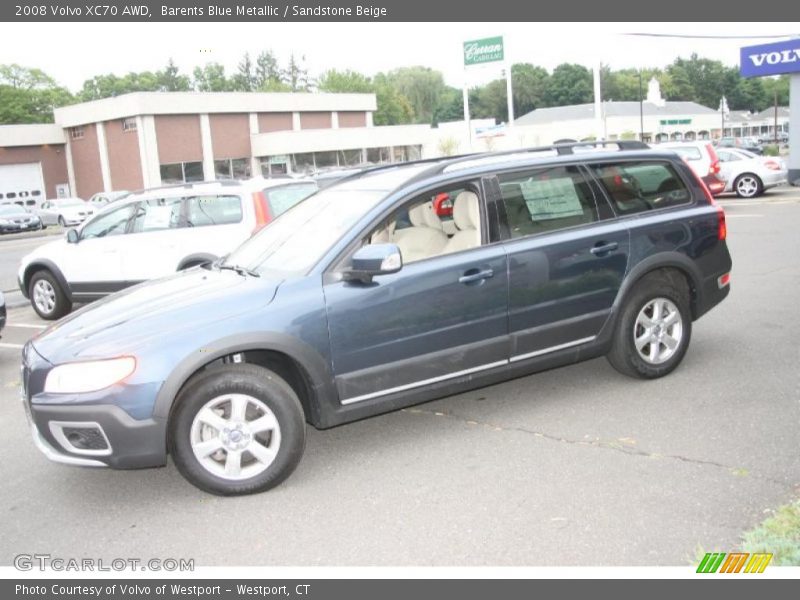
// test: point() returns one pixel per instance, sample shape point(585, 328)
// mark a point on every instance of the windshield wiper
point(240, 270)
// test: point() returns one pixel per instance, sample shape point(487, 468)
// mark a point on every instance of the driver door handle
point(601, 248)
point(473, 275)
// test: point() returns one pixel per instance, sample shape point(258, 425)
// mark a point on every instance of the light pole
point(641, 109)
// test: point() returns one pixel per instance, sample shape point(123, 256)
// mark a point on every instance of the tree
point(569, 84)
point(489, 101)
point(296, 75)
point(422, 87)
point(529, 85)
point(344, 81)
point(393, 107)
point(245, 79)
point(170, 79)
point(268, 73)
point(29, 95)
point(450, 108)
point(211, 78)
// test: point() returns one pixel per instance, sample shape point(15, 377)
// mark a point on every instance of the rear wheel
point(237, 429)
point(48, 299)
point(654, 329)
point(748, 185)
point(61, 221)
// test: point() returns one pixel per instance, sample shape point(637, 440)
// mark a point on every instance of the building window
point(232, 168)
point(183, 172)
point(76, 133)
point(378, 156)
point(129, 124)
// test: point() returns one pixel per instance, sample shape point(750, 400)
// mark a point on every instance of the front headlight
point(88, 376)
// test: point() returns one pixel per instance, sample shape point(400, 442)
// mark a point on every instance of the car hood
point(18, 215)
point(50, 250)
point(144, 314)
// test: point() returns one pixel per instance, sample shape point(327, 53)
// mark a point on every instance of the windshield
point(297, 240)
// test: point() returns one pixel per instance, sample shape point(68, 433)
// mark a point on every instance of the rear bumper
point(712, 293)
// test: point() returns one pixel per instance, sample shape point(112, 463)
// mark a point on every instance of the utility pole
point(775, 129)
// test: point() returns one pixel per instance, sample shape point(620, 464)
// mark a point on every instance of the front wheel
point(48, 299)
point(748, 185)
point(654, 329)
point(62, 222)
point(237, 429)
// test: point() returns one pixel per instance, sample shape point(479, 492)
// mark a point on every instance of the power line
point(712, 37)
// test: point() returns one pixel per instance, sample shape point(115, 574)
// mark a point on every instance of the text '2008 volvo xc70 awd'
point(362, 299)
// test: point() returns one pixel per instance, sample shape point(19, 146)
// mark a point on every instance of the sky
point(74, 52)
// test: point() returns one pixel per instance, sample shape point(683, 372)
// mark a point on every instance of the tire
point(748, 185)
point(62, 223)
point(48, 298)
point(202, 451)
point(653, 357)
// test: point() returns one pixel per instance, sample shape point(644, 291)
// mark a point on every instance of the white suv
point(702, 158)
point(151, 234)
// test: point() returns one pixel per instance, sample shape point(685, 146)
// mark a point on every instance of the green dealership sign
point(477, 52)
point(675, 122)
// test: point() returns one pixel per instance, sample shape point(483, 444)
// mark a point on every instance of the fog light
point(81, 438)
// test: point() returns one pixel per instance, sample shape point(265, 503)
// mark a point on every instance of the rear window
point(642, 186)
point(687, 152)
point(213, 210)
point(283, 198)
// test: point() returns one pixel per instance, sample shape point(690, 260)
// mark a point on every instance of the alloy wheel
point(658, 331)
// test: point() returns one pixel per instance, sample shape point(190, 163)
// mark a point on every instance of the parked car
point(743, 143)
point(328, 316)
point(704, 161)
point(150, 234)
point(748, 174)
point(100, 199)
point(65, 212)
point(15, 218)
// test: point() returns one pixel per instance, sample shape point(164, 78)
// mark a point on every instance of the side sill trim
point(552, 349)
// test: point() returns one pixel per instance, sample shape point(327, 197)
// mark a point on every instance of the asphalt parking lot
point(575, 466)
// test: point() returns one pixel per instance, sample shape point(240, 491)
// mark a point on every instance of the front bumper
point(129, 443)
point(17, 227)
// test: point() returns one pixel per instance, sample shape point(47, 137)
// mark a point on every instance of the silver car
point(749, 174)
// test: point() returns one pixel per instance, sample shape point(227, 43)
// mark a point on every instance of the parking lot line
point(27, 325)
point(12, 346)
point(733, 215)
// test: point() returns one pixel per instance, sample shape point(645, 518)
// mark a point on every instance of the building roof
point(35, 134)
point(178, 103)
point(612, 109)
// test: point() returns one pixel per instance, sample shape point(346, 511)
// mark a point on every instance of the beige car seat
point(466, 215)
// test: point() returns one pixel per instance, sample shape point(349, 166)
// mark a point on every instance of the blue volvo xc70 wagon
point(363, 299)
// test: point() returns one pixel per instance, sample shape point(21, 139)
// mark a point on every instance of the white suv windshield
point(297, 240)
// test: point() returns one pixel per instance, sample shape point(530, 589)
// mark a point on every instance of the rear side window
point(283, 198)
point(157, 214)
point(213, 210)
point(546, 200)
point(687, 152)
point(636, 187)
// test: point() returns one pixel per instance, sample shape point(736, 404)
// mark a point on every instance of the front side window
point(642, 186)
point(546, 200)
point(110, 223)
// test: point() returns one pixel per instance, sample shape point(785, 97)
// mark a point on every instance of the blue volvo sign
point(770, 59)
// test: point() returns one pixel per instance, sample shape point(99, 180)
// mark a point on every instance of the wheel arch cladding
point(674, 266)
point(46, 265)
point(302, 368)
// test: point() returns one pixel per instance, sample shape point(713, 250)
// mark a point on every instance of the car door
point(567, 258)
point(440, 318)
point(93, 265)
point(150, 248)
point(46, 214)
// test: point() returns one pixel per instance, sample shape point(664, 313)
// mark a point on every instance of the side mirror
point(372, 260)
point(72, 236)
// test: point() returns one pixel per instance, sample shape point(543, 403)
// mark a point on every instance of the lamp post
point(641, 109)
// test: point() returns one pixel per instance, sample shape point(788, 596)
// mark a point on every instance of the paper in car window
point(157, 217)
point(551, 198)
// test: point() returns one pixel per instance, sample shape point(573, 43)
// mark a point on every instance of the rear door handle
point(473, 275)
point(601, 248)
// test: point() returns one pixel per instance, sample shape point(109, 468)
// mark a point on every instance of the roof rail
point(397, 165)
point(560, 149)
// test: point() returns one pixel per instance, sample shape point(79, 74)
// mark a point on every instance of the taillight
point(772, 165)
point(714, 168)
point(261, 210)
point(722, 228)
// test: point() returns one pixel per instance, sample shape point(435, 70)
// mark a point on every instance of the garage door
point(22, 184)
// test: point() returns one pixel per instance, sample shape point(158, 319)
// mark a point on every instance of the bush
point(771, 150)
